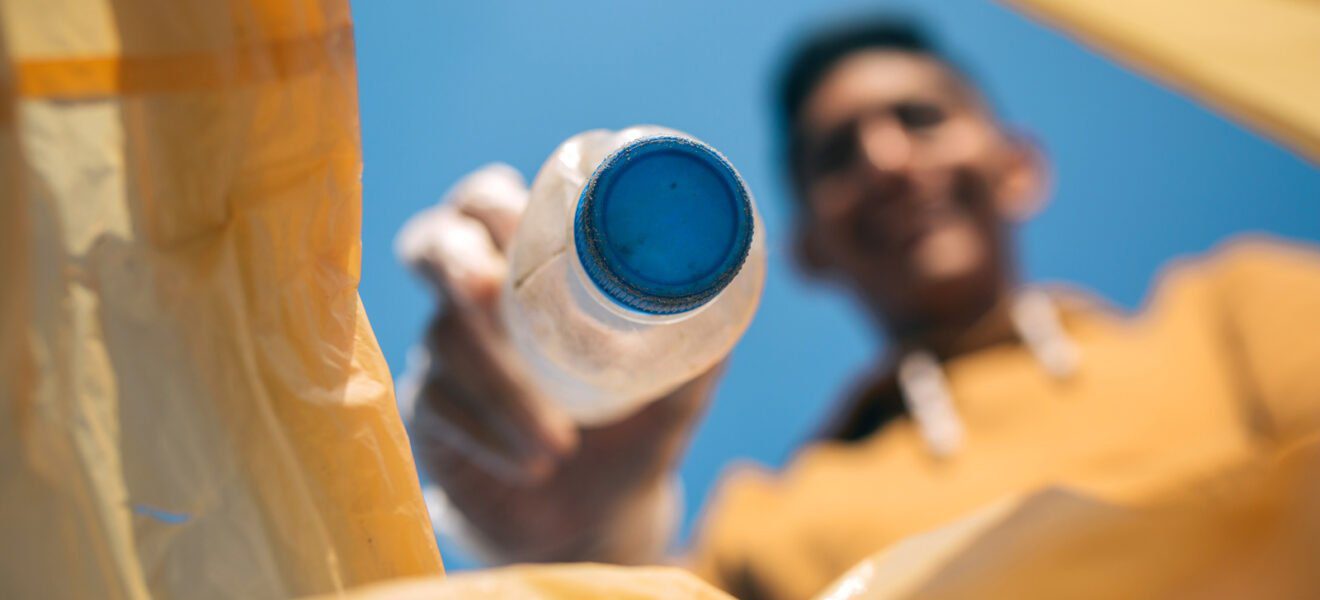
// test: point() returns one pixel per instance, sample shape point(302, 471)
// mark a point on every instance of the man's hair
point(821, 51)
point(818, 53)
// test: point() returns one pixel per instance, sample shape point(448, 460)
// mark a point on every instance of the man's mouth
point(884, 231)
point(946, 252)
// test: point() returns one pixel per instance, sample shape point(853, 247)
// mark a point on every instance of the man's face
point(908, 183)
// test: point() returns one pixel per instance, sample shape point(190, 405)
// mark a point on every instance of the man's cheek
point(833, 199)
point(972, 185)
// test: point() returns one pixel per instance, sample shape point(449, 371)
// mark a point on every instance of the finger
point(506, 513)
point(483, 363)
point(495, 195)
point(455, 253)
point(449, 418)
point(656, 434)
point(470, 485)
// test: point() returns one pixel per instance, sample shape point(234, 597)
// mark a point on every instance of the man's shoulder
point(1249, 255)
point(1235, 270)
point(1252, 254)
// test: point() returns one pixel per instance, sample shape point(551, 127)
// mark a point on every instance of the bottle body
point(597, 356)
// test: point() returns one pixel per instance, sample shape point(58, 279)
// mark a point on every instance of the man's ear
point(808, 254)
point(1025, 187)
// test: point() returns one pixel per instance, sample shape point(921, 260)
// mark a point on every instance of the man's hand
point(535, 486)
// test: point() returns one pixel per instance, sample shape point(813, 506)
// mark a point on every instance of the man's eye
point(916, 116)
point(834, 152)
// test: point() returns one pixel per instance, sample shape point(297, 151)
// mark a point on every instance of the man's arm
point(1269, 296)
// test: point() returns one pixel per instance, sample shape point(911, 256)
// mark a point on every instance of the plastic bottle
point(637, 265)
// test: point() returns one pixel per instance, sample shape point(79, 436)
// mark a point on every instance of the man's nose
point(886, 148)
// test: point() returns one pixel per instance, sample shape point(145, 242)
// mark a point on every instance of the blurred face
point(909, 187)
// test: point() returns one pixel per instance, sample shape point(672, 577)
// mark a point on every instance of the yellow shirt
point(1223, 363)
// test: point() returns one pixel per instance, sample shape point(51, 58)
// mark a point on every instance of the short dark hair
point(815, 55)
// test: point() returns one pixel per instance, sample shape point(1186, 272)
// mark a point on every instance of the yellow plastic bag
point(1254, 60)
point(192, 403)
point(1248, 533)
point(577, 581)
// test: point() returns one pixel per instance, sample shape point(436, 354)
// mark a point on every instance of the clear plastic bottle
point(637, 265)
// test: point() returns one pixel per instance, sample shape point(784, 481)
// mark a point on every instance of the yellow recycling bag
point(192, 403)
point(1249, 532)
point(1256, 61)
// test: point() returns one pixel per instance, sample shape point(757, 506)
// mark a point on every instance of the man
point(909, 189)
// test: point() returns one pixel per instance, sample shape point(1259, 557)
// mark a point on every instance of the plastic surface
point(192, 403)
point(663, 225)
point(599, 359)
point(1250, 532)
point(551, 582)
point(1253, 60)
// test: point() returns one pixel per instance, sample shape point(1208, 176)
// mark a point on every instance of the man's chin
point(950, 297)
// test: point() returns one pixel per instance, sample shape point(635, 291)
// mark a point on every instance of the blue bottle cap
point(663, 225)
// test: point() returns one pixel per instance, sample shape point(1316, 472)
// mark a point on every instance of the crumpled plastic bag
point(1253, 532)
point(1253, 60)
point(579, 581)
point(192, 402)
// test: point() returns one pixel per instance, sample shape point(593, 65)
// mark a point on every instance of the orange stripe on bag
point(96, 77)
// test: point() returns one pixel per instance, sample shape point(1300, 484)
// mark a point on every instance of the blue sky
point(1141, 174)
